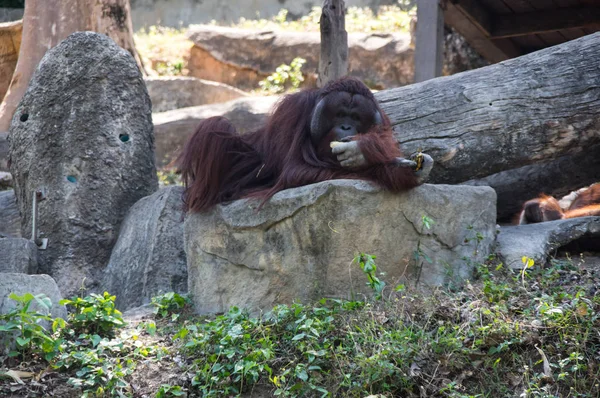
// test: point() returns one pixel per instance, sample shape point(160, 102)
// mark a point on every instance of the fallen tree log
point(528, 110)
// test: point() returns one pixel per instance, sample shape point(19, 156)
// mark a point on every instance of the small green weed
point(95, 314)
point(166, 391)
point(367, 265)
point(285, 78)
point(169, 303)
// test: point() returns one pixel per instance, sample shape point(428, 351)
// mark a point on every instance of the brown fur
point(219, 165)
point(547, 208)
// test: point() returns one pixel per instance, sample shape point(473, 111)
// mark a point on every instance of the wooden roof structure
point(503, 29)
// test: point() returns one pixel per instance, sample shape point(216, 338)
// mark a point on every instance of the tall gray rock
point(300, 245)
point(149, 258)
point(10, 224)
point(83, 132)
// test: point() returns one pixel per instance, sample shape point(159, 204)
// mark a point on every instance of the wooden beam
point(492, 50)
point(429, 52)
point(544, 21)
point(478, 14)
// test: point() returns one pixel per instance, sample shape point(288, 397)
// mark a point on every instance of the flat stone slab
point(537, 241)
point(175, 92)
point(300, 245)
point(18, 255)
point(34, 284)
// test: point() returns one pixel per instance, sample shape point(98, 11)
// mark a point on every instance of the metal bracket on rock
point(39, 196)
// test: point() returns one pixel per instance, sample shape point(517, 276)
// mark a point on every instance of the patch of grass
point(168, 176)
point(164, 51)
point(358, 19)
point(506, 334)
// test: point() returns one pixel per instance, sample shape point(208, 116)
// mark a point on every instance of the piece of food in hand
point(419, 160)
point(333, 144)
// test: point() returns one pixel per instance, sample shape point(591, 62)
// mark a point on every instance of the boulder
point(300, 245)
point(168, 93)
point(243, 57)
point(34, 284)
point(10, 43)
point(173, 128)
point(10, 225)
point(148, 259)
point(82, 134)
point(18, 255)
point(3, 151)
point(538, 241)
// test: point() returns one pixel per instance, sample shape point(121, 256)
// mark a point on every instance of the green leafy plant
point(31, 336)
point(169, 177)
point(285, 78)
point(419, 254)
point(368, 266)
point(166, 391)
point(169, 303)
point(95, 314)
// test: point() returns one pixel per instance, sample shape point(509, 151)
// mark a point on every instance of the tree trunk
point(333, 63)
point(528, 110)
point(10, 43)
point(47, 22)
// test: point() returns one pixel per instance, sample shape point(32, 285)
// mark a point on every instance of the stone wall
point(177, 13)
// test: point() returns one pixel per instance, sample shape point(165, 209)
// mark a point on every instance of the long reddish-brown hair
point(218, 165)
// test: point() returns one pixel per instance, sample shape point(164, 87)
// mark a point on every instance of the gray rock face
point(18, 255)
point(301, 243)
point(83, 132)
point(10, 223)
point(149, 258)
point(173, 128)
point(34, 284)
point(168, 93)
point(537, 241)
point(3, 151)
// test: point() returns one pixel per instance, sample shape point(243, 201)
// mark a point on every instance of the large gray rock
point(10, 222)
point(149, 258)
point(538, 241)
point(242, 58)
point(168, 93)
point(3, 151)
point(83, 132)
point(34, 284)
point(301, 243)
point(173, 128)
point(18, 255)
